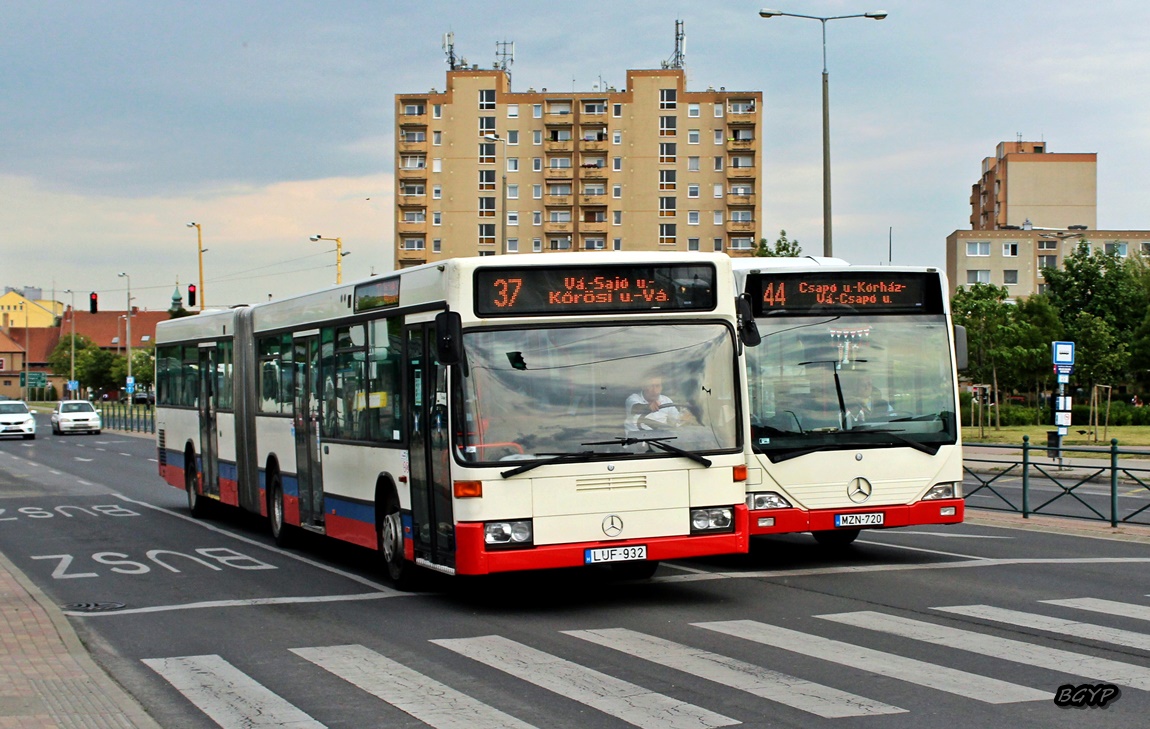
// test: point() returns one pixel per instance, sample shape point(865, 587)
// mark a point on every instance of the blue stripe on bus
point(349, 509)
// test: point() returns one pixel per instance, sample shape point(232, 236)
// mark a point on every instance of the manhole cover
point(94, 607)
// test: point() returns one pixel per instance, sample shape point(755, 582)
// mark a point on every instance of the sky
point(270, 122)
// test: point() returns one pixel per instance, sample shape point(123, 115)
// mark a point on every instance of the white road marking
point(227, 695)
point(946, 535)
point(1109, 607)
point(426, 699)
point(621, 699)
point(234, 603)
point(941, 678)
point(1053, 625)
point(1067, 662)
point(271, 548)
point(790, 691)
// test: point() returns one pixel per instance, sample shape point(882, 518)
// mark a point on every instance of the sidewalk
point(47, 677)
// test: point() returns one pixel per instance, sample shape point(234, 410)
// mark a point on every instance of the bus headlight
point(507, 533)
point(766, 500)
point(712, 520)
point(943, 491)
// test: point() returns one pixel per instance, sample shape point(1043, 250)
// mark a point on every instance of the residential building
point(1015, 258)
point(1026, 182)
point(27, 307)
point(483, 170)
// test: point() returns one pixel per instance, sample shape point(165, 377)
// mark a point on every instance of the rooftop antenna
point(504, 57)
point(680, 56)
point(454, 62)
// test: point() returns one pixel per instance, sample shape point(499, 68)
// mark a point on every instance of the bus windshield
point(834, 382)
point(590, 390)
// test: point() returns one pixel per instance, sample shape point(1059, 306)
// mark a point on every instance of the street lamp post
point(875, 15)
point(200, 252)
point(72, 376)
point(502, 247)
point(128, 328)
point(339, 254)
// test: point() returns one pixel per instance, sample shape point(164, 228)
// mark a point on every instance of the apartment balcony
point(411, 258)
point(551, 145)
point(593, 145)
point(411, 147)
point(405, 228)
point(741, 199)
point(411, 200)
point(594, 199)
point(413, 120)
point(740, 226)
point(551, 227)
point(558, 118)
point(741, 173)
point(740, 145)
point(412, 173)
point(558, 200)
point(593, 227)
point(558, 173)
point(593, 172)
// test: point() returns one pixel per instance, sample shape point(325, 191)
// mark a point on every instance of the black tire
point(839, 539)
point(644, 570)
point(390, 537)
point(29, 436)
point(281, 531)
point(95, 432)
point(197, 504)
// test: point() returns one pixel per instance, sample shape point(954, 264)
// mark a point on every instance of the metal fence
point(1077, 483)
point(122, 416)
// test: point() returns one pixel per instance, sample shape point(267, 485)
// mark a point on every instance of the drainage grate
point(94, 607)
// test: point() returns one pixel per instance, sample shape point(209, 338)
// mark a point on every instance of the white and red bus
point(852, 398)
point(476, 415)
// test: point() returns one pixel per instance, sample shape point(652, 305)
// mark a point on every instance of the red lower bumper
point(474, 558)
point(799, 520)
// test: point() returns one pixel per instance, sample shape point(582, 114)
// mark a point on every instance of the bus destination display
point(531, 290)
point(871, 291)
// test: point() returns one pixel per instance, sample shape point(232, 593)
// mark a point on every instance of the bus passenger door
point(306, 421)
point(207, 402)
point(433, 523)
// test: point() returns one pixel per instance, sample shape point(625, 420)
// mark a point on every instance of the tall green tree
point(1036, 326)
point(991, 334)
point(1105, 285)
point(1101, 357)
point(782, 248)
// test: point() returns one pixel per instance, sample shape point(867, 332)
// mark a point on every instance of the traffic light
point(93, 302)
point(191, 294)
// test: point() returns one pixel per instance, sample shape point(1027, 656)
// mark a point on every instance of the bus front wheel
point(197, 505)
point(281, 532)
point(401, 572)
point(836, 539)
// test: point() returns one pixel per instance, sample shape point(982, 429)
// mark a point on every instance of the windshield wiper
point(555, 458)
point(658, 443)
point(918, 446)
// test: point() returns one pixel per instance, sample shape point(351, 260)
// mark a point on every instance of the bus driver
point(650, 409)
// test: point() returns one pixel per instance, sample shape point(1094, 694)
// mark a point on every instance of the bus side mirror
point(448, 337)
point(961, 356)
point(748, 330)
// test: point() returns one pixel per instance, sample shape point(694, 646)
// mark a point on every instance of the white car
point(16, 419)
point(71, 416)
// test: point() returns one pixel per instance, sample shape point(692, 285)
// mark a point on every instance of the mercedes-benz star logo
point(859, 490)
point(613, 525)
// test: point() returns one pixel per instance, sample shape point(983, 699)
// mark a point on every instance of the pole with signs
point(1062, 354)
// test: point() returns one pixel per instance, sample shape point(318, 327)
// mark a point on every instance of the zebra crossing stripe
point(1054, 625)
point(1109, 607)
point(626, 701)
point(426, 699)
point(1067, 662)
point(795, 692)
point(941, 678)
point(227, 695)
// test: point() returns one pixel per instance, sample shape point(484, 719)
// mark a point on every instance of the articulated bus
point(852, 398)
point(474, 416)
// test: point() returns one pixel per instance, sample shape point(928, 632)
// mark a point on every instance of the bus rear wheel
point(836, 539)
point(399, 570)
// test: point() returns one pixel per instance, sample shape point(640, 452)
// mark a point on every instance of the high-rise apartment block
point(482, 170)
point(1025, 184)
